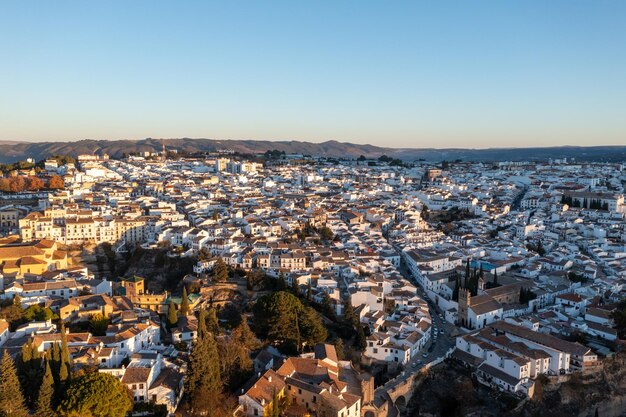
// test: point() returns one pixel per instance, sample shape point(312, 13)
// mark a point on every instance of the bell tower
point(464, 305)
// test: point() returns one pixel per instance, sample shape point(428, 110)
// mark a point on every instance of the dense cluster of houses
point(519, 256)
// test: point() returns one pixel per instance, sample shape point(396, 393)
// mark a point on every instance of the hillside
point(16, 151)
point(451, 391)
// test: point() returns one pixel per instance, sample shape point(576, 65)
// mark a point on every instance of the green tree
point(220, 271)
point(55, 361)
point(234, 353)
point(326, 233)
point(11, 397)
point(277, 407)
point(96, 394)
point(37, 313)
point(282, 284)
point(349, 315)
point(172, 316)
point(99, 324)
point(312, 330)
point(295, 288)
point(65, 369)
point(203, 374)
point(202, 319)
point(29, 371)
point(457, 286)
point(360, 341)
point(184, 304)
point(619, 317)
point(212, 323)
point(281, 317)
point(43, 407)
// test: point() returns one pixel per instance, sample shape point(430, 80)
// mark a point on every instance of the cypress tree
point(66, 364)
point(202, 319)
point(55, 356)
point(294, 286)
point(44, 407)
point(467, 274)
point(11, 397)
point(495, 278)
point(184, 304)
point(212, 324)
point(172, 316)
point(348, 312)
point(282, 284)
point(203, 374)
point(29, 368)
point(360, 341)
point(309, 294)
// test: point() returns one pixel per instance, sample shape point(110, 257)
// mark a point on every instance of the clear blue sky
point(394, 73)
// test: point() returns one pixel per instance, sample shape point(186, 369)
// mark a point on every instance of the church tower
point(464, 305)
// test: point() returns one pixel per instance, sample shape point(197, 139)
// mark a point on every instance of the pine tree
point(11, 397)
point(184, 304)
point(172, 316)
point(43, 406)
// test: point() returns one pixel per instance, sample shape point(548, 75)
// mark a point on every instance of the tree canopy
point(11, 397)
point(282, 318)
point(96, 395)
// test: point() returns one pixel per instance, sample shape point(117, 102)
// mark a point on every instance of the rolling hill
point(11, 151)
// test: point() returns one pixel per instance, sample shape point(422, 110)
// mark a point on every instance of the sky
point(472, 74)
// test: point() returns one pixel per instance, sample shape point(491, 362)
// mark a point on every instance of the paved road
point(435, 349)
point(515, 204)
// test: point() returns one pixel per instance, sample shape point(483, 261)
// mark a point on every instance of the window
point(134, 386)
point(256, 412)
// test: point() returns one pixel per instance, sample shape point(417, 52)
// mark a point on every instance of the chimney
point(269, 378)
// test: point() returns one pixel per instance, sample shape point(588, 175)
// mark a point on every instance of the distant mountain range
point(11, 151)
